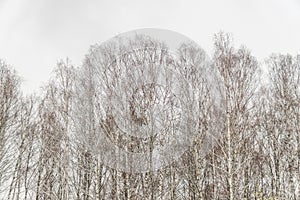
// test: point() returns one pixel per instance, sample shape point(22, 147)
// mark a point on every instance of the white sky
point(35, 34)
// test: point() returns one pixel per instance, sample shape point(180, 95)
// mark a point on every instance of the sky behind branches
point(35, 34)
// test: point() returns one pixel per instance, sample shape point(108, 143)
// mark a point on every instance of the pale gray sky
point(35, 34)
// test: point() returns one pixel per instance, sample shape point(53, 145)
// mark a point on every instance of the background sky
point(35, 34)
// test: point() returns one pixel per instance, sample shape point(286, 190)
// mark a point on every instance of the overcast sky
point(35, 34)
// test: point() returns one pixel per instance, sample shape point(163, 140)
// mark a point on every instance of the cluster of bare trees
point(106, 130)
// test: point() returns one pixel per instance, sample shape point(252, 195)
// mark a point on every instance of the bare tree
point(280, 125)
point(20, 185)
point(238, 70)
point(9, 109)
point(54, 135)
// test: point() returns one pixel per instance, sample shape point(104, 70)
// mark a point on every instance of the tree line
point(245, 117)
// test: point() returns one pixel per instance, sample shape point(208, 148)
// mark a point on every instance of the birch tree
point(238, 71)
